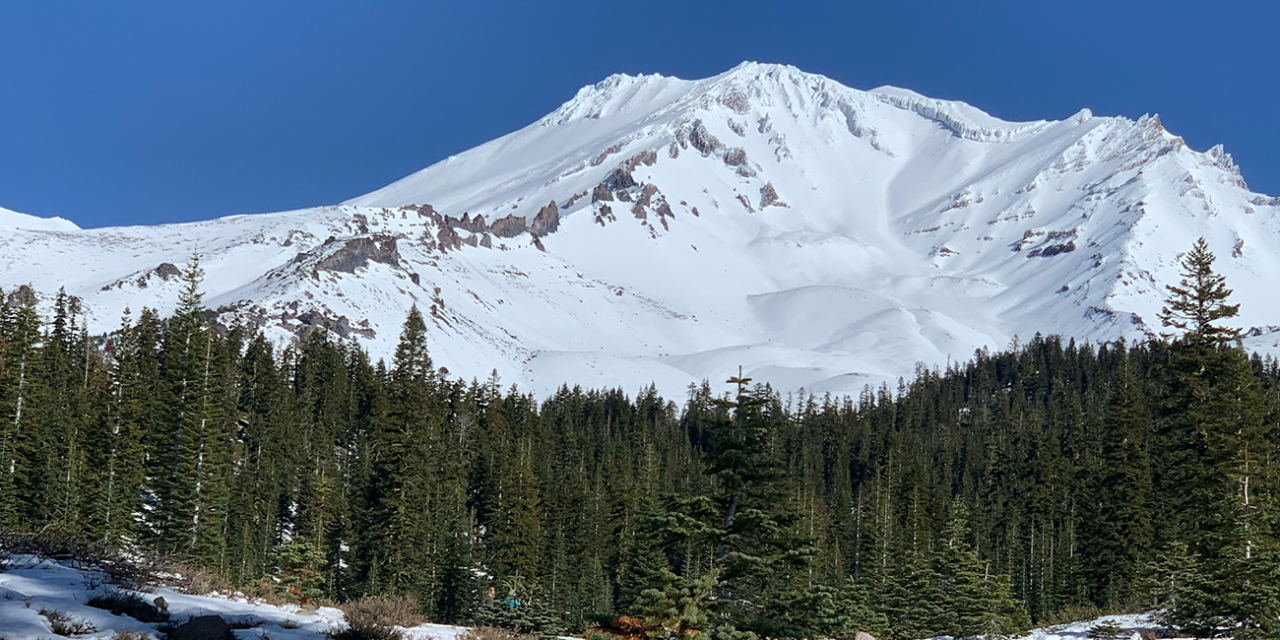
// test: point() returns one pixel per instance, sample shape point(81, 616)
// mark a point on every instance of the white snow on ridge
point(14, 220)
point(820, 236)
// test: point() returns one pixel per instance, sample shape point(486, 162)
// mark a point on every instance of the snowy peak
point(14, 220)
point(654, 229)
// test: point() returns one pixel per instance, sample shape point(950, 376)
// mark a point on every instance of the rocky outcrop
point(356, 253)
point(735, 157)
point(704, 141)
point(573, 199)
point(467, 223)
point(547, 220)
point(424, 211)
point(619, 179)
point(769, 197)
point(448, 239)
point(601, 193)
point(508, 227)
point(164, 272)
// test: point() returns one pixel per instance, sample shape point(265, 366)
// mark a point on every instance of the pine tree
point(119, 455)
point(1117, 527)
point(677, 609)
point(401, 482)
point(1198, 303)
point(18, 468)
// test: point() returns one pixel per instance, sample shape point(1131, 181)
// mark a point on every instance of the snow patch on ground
point(29, 585)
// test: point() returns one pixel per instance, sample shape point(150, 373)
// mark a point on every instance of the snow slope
point(654, 229)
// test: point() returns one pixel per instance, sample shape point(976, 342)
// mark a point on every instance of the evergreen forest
point(1008, 490)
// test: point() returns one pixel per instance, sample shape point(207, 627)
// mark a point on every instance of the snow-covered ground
point(29, 585)
point(1132, 625)
point(654, 229)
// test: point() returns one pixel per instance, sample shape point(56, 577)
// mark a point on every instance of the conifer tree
point(1117, 526)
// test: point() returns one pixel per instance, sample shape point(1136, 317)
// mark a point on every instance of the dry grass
point(196, 582)
point(65, 624)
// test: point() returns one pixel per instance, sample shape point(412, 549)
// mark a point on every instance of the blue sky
point(156, 111)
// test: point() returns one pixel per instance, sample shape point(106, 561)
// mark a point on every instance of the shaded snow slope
point(654, 229)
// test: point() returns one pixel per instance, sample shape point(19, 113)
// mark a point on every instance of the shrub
point(387, 611)
point(65, 624)
point(365, 632)
point(493, 633)
point(1106, 630)
point(196, 582)
point(377, 618)
point(130, 634)
point(126, 603)
point(120, 568)
point(1074, 613)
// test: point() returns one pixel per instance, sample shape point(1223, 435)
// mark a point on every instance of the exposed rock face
point(316, 319)
point(508, 227)
point(620, 179)
point(547, 220)
point(601, 193)
point(448, 238)
point(769, 197)
point(165, 271)
point(735, 157)
point(203, 628)
point(424, 211)
point(574, 199)
point(467, 223)
point(358, 252)
point(704, 141)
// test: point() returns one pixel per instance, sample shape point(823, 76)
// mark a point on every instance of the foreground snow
point(817, 235)
point(30, 585)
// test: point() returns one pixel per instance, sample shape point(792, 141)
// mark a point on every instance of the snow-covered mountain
point(667, 230)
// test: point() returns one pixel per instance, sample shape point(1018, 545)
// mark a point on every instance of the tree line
point(1048, 477)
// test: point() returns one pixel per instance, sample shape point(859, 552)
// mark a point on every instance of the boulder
point(203, 628)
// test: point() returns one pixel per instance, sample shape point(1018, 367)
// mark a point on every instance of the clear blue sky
point(154, 111)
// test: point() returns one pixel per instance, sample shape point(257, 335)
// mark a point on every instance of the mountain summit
point(654, 229)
